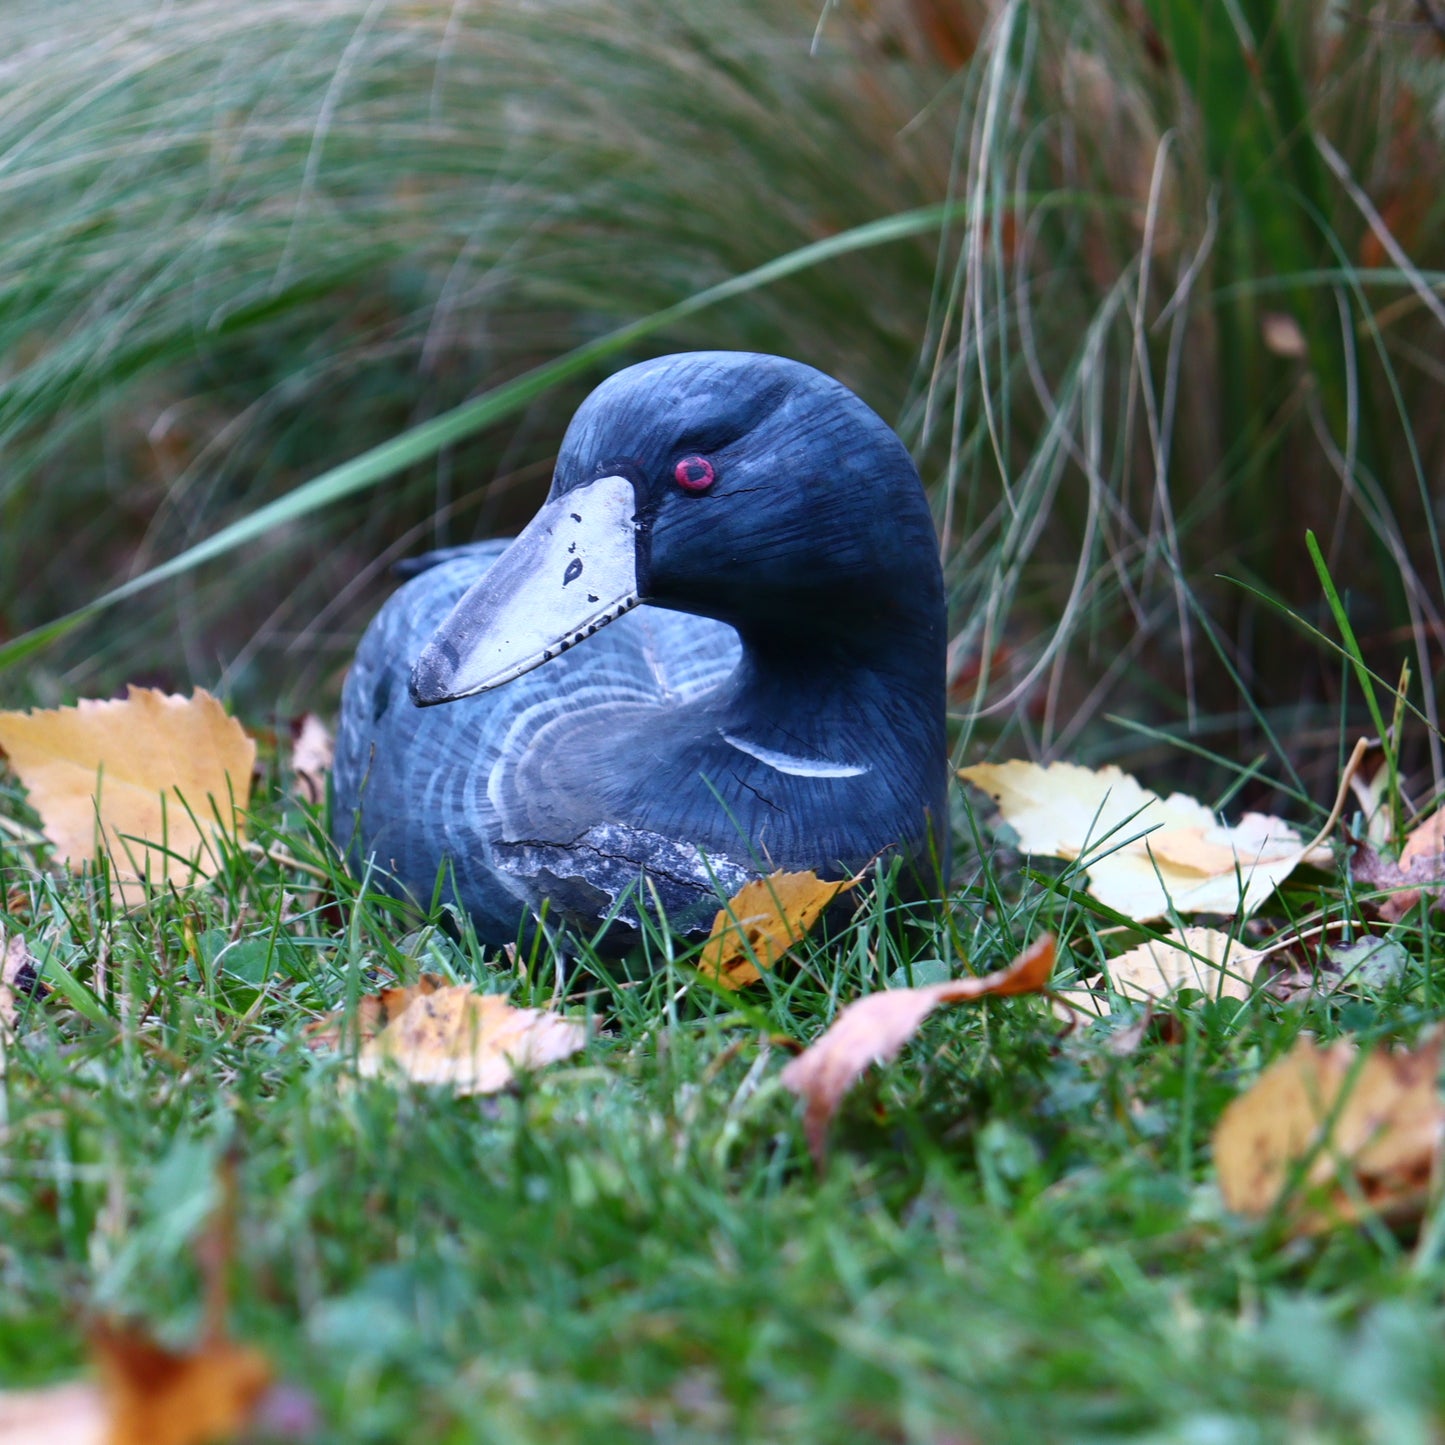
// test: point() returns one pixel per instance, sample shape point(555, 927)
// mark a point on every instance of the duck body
point(778, 705)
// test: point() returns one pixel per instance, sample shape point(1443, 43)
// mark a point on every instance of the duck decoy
point(513, 732)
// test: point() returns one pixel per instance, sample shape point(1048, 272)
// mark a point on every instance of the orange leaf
point(763, 920)
point(146, 1395)
point(160, 1398)
point(149, 780)
point(871, 1030)
point(1373, 1124)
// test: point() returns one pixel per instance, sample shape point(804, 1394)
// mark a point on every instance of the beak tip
point(433, 675)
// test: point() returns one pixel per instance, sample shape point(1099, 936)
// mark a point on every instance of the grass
point(1018, 1235)
point(368, 212)
point(1181, 302)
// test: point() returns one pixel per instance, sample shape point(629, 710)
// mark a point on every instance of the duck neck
point(840, 683)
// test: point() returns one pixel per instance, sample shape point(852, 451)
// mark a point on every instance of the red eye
point(694, 474)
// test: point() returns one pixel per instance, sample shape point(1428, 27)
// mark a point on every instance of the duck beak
point(572, 569)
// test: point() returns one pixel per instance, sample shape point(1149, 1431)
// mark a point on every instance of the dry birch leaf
point(312, 752)
point(1282, 335)
point(70, 1414)
point(1372, 795)
point(374, 1011)
point(473, 1043)
point(149, 780)
point(1077, 1005)
point(1205, 959)
point(1366, 1132)
point(18, 972)
point(1157, 853)
point(762, 922)
point(871, 1030)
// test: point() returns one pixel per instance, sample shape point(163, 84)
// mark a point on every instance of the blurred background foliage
point(1187, 305)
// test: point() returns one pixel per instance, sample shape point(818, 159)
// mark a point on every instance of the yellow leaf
point(150, 779)
point(762, 922)
point(1369, 1128)
point(474, 1043)
point(873, 1029)
point(1144, 854)
point(1206, 959)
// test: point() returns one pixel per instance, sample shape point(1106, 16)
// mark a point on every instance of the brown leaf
point(146, 1395)
point(475, 1043)
point(1369, 1128)
point(1205, 959)
point(312, 752)
point(873, 1029)
point(762, 922)
point(1420, 871)
point(149, 780)
point(374, 1011)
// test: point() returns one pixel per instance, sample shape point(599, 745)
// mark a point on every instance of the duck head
point(746, 488)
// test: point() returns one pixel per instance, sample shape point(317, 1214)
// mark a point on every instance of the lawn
point(288, 293)
point(1018, 1232)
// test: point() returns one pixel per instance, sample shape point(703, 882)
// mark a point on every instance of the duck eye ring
point(694, 474)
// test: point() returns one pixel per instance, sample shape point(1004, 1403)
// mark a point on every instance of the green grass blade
point(391, 457)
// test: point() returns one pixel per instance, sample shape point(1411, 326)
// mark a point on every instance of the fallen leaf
point(1425, 841)
point(1420, 871)
point(150, 780)
point(312, 752)
point(10, 952)
point(145, 1395)
point(1373, 963)
point(474, 1043)
point(1125, 1043)
point(1146, 855)
point(19, 973)
point(373, 1012)
point(871, 1030)
point(1372, 794)
point(1069, 1005)
point(762, 922)
point(1370, 963)
point(1366, 1132)
point(1205, 959)
point(1282, 334)
point(69, 1414)
point(157, 1397)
